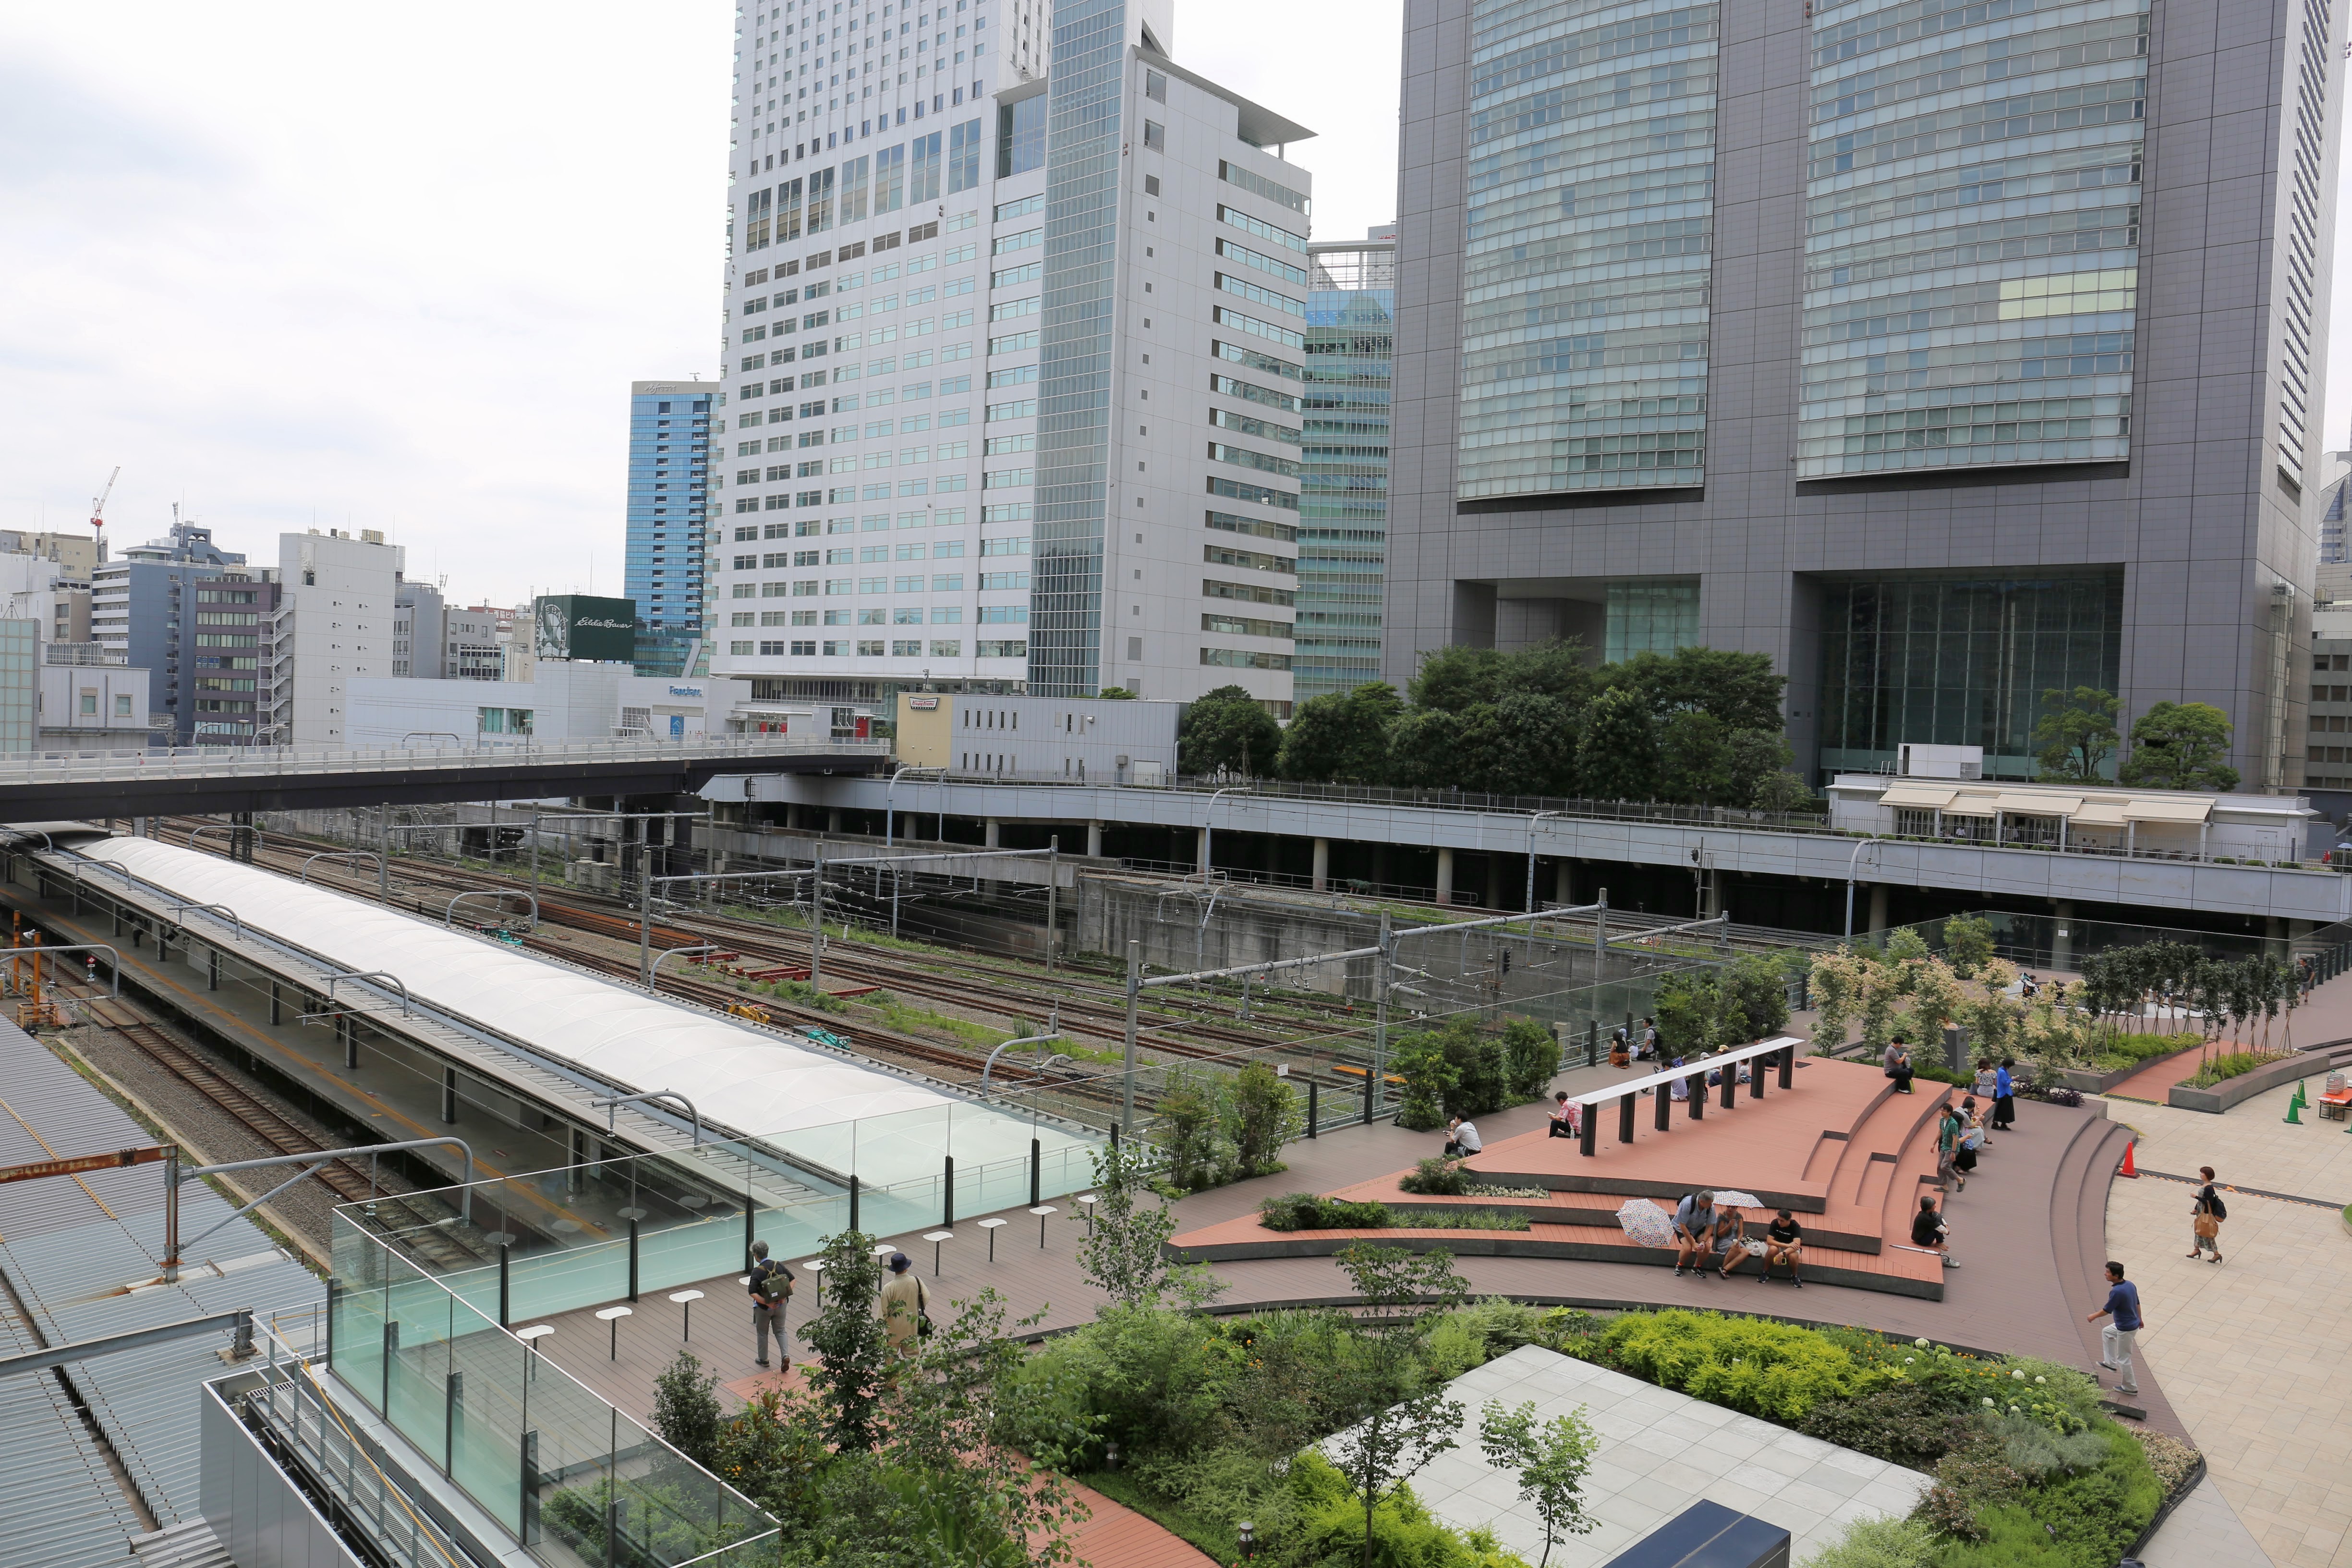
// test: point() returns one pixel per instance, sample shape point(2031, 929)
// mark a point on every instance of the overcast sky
point(288, 264)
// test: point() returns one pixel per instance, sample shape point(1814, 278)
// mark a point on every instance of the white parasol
point(1645, 1224)
point(1735, 1200)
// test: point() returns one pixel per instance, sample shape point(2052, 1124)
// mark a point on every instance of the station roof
point(755, 1081)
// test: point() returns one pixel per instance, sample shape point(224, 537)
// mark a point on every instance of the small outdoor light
point(1111, 1456)
point(1248, 1534)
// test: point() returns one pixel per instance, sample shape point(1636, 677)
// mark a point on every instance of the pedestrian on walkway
point(905, 1306)
point(2121, 1332)
point(771, 1288)
point(1949, 1130)
point(2205, 1216)
point(2004, 1097)
point(1973, 1136)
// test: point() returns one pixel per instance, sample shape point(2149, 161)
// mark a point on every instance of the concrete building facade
point(1943, 353)
point(335, 626)
point(143, 612)
point(1033, 424)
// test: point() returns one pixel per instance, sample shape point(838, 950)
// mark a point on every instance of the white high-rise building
point(1015, 321)
point(335, 624)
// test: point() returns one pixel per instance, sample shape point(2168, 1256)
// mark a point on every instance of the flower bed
point(1306, 1211)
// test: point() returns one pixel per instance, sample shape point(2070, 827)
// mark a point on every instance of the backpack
point(2211, 1203)
point(766, 1276)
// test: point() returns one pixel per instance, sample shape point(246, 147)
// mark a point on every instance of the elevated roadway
point(212, 780)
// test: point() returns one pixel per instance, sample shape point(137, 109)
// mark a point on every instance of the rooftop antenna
point(98, 503)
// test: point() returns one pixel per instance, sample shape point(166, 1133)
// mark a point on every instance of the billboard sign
point(579, 627)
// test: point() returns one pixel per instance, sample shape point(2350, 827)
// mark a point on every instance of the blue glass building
point(1343, 502)
point(669, 462)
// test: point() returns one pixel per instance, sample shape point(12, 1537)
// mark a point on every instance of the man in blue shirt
point(2121, 1332)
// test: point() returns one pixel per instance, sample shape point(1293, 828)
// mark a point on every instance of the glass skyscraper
point(1343, 503)
point(669, 463)
point(1942, 351)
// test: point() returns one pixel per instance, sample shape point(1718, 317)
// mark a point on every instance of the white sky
point(288, 264)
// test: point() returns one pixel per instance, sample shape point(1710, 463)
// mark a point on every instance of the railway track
point(347, 1179)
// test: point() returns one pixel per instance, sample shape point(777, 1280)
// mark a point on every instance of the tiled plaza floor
point(1659, 1452)
point(2249, 1350)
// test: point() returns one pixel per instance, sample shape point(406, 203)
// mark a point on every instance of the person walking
point(1949, 1130)
point(2120, 1334)
point(2004, 1097)
point(905, 1306)
point(771, 1288)
point(1973, 1136)
point(2205, 1216)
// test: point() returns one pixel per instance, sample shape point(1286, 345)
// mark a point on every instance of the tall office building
point(1016, 318)
point(1343, 503)
point(144, 612)
point(669, 457)
point(1945, 352)
point(335, 624)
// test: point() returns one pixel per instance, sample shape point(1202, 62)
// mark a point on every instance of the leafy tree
point(1756, 756)
point(2179, 745)
point(1741, 691)
point(1684, 1008)
point(1123, 1258)
point(1523, 745)
point(1754, 994)
point(1228, 729)
point(853, 1354)
point(1550, 1461)
point(2077, 735)
point(1556, 668)
point(1191, 1115)
point(1431, 1080)
point(685, 1411)
point(1396, 1427)
point(1617, 757)
point(1341, 736)
point(1696, 758)
point(1781, 790)
point(1451, 680)
point(1967, 944)
point(1425, 749)
point(1263, 1113)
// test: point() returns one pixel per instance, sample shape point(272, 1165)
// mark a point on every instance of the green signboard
point(577, 627)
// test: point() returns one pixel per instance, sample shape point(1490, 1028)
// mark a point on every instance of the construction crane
point(98, 506)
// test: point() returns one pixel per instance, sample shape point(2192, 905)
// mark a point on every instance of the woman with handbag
point(2205, 1217)
point(905, 1306)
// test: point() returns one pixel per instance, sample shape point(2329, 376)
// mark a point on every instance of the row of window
point(879, 647)
point(911, 582)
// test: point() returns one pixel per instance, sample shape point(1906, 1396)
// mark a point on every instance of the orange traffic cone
point(2127, 1169)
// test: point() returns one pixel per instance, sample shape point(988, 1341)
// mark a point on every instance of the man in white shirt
point(1461, 1136)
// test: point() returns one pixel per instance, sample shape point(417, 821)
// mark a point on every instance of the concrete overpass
point(1689, 840)
point(212, 780)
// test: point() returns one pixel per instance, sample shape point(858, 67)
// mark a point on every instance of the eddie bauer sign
point(580, 627)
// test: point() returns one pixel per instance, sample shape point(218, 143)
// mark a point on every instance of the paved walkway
point(2251, 1349)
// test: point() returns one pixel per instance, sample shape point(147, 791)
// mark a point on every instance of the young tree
point(1228, 728)
point(983, 1501)
point(1757, 755)
point(1696, 758)
point(2077, 735)
point(1396, 1426)
point(853, 1353)
point(1549, 1459)
point(1123, 1258)
point(685, 1411)
point(1617, 758)
point(2179, 745)
point(1967, 944)
point(1781, 790)
point(1262, 1114)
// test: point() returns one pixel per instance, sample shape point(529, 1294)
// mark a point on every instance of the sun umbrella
point(1645, 1224)
point(1735, 1200)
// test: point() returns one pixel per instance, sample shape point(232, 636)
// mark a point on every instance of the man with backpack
point(771, 1288)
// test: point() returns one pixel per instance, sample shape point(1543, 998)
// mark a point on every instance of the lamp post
point(1870, 844)
point(1209, 828)
point(1539, 816)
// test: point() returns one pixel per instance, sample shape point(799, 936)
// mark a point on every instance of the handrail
point(449, 914)
point(177, 910)
point(612, 1105)
point(367, 975)
point(339, 854)
point(678, 952)
point(202, 828)
point(990, 1066)
point(113, 953)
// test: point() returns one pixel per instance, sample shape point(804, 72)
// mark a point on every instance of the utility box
point(1918, 762)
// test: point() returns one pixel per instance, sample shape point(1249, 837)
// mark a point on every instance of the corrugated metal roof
point(80, 1252)
point(63, 1506)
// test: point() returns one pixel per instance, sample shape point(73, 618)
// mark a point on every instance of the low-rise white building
point(565, 701)
point(2163, 823)
point(1091, 738)
point(91, 707)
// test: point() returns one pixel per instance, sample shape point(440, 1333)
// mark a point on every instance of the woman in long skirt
point(2004, 1098)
